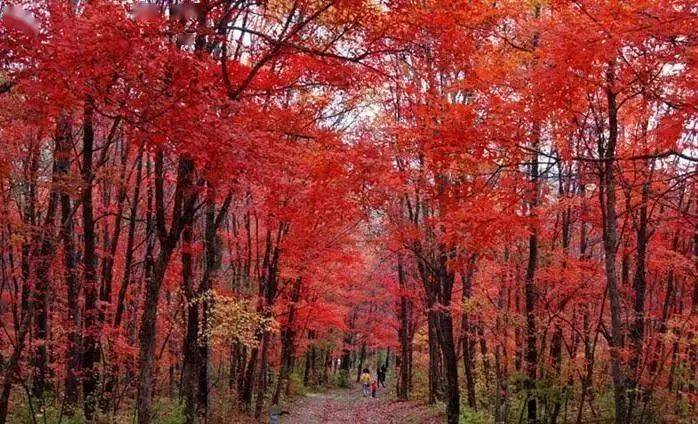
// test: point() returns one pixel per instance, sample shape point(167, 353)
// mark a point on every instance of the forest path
point(338, 406)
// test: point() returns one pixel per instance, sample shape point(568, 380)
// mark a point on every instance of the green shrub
point(468, 416)
point(169, 411)
point(297, 388)
point(341, 379)
point(47, 410)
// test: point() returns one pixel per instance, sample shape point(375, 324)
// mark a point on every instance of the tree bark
point(12, 367)
point(403, 387)
point(467, 340)
point(189, 346)
point(434, 353)
point(90, 347)
point(249, 381)
point(287, 343)
point(181, 217)
point(444, 333)
point(359, 366)
point(607, 199)
point(40, 296)
point(529, 287)
point(70, 259)
point(637, 329)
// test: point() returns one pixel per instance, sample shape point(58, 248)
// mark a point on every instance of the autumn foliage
point(206, 205)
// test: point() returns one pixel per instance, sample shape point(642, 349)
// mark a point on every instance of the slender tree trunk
point(262, 374)
point(73, 363)
point(90, 352)
point(242, 361)
point(267, 296)
point(467, 339)
point(484, 352)
point(433, 358)
point(637, 328)
point(113, 374)
point(233, 364)
point(181, 217)
point(403, 388)
point(147, 337)
point(588, 350)
point(110, 246)
point(556, 343)
point(607, 195)
point(530, 289)
point(211, 266)
point(105, 294)
point(189, 346)
point(130, 240)
point(40, 297)
point(500, 387)
point(327, 367)
point(249, 381)
point(70, 259)
point(556, 356)
point(362, 356)
point(287, 343)
point(12, 366)
point(306, 374)
point(444, 332)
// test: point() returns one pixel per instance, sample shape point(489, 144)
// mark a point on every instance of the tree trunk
point(637, 328)
point(326, 368)
point(433, 358)
point(12, 366)
point(403, 387)
point(556, 355)
point(262, 375)
point(306, 373)
point(607, 195)
point(484, 355)
point(181, 217)
point(105, 294)
point(90, 352)
point(500, 360)
point(362, 356)
point(268, 288)
point(113, 377)
point(40, 298)
point(468, 343)
point(444, 331)
point(70, 259)
point(556, 343)
point(189, 346)
point(130, 240)
point(249, 381)
point(529, 287)
point(287, 343)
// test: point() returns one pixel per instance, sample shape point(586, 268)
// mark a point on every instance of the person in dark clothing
point(381, 376)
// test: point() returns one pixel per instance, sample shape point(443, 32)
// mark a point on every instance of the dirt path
point(349, 406)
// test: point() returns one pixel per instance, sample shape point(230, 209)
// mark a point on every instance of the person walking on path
point(365, 380)
point(381, 376)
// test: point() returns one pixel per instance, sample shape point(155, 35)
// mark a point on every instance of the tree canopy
point(216, 202)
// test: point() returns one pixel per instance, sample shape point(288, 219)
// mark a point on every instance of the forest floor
point(337, 406)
